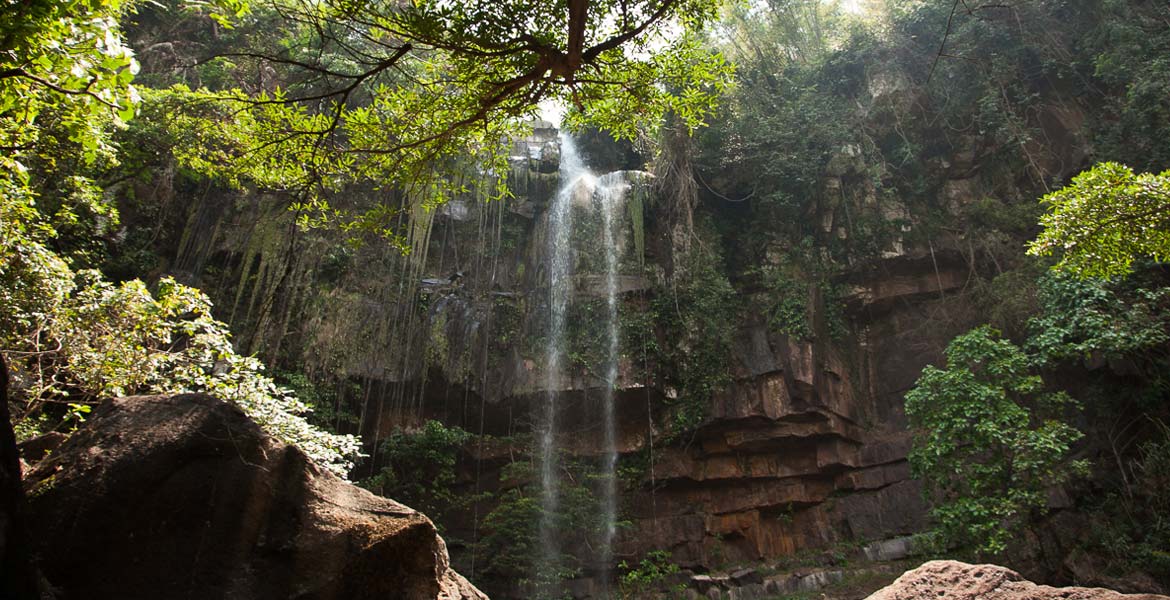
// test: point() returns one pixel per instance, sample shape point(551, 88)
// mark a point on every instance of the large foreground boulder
point(952, 580)
point(184, 497)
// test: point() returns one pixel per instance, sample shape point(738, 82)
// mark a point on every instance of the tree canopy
point(66, 57)
point(1107, 218)
point(405, 93)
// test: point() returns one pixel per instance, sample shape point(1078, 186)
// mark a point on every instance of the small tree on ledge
point(982, 446)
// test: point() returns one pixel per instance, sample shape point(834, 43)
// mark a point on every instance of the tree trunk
point(18, 579)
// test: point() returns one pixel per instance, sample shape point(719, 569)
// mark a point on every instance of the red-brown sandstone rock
point(952, 580)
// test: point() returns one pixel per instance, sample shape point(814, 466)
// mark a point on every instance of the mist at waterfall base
point(580, 191)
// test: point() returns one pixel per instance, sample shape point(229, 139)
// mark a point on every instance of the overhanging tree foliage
point(67, 58)
point(421, 95)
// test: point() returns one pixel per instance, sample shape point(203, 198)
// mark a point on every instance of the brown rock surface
point(952, 580)
point(185, 497)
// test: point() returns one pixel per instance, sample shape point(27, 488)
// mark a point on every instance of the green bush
point(988, 443)
point(420, 469)
point(1105, 219)
point(510, 542)
point(648, 576)
point(326, 402)
point(1083, 317)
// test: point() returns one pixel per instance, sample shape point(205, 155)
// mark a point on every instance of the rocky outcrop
point(185, 497)
point(960, 581)
point(784, 464)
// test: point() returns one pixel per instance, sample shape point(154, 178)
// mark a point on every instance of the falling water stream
point(610, 191)
point(573, 173)
point(578, 188)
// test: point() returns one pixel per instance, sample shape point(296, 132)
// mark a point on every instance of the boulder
point(801, 583)
point(185, 497)
point(744, 577)
point(819, 580)
point(888, 550)
point(952, 580)
point(751, 591)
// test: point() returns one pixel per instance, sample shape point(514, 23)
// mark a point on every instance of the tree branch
point(617, 40)
point(19, 72)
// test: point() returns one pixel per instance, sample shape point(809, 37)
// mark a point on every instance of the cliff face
point(807, 447)
point(803, 447)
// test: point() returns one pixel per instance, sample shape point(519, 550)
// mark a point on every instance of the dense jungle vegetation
point(362, 120)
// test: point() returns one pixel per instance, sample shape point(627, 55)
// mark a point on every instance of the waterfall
point(610, 192)
point(573, 175)
point(579, 190)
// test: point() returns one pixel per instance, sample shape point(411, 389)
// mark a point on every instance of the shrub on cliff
point(991, 439)
point(419, 469)
point(987, 442)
